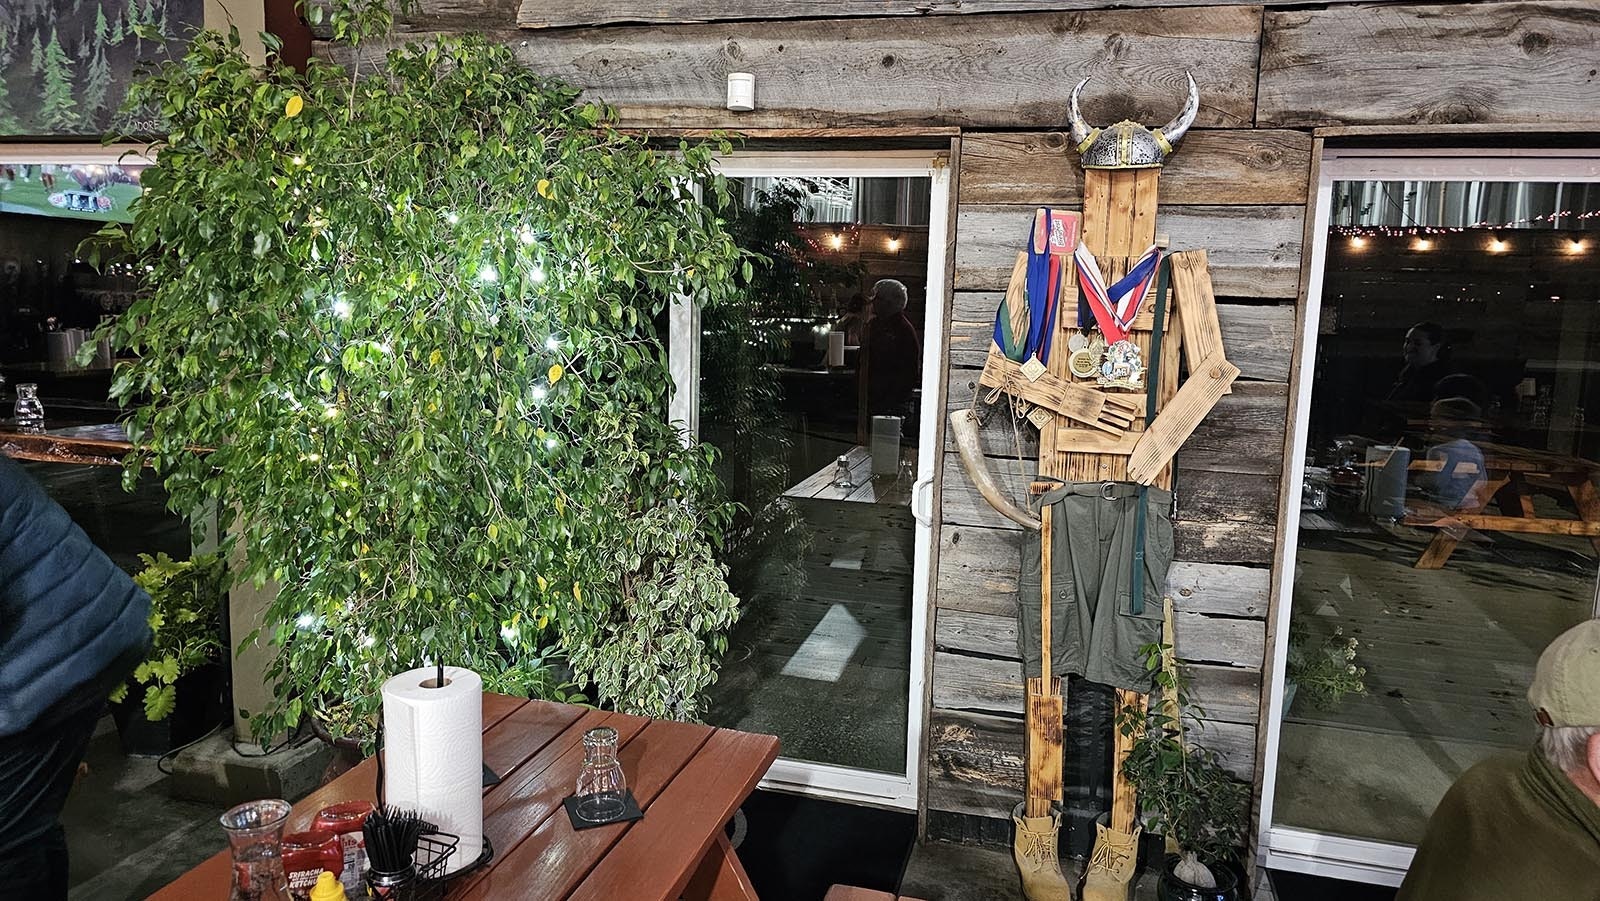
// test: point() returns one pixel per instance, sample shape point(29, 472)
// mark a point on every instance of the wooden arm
point(1158, 444)
point(1112, 413)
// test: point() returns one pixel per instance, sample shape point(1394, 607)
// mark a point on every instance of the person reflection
point(1454, 423)
point(1427, 361)
point(894, 351)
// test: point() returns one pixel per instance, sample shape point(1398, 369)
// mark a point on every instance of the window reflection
point(1449, 519)
point(811, 391)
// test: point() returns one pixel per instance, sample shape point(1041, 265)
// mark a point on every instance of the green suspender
point(1152, 374)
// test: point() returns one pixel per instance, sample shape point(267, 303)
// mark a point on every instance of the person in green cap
point(1528, 826)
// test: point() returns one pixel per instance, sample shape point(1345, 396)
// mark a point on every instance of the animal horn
point(1080, 128)
point(964, 423)
point(1174, 131)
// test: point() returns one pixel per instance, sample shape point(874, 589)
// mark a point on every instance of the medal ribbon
point(1115, 307)
point(1044, 274)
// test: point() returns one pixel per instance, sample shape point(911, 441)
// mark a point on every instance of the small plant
point(1184, 790)
point(185, 602)
point(1325, 671)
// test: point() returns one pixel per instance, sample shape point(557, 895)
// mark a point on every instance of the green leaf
point(159, 702)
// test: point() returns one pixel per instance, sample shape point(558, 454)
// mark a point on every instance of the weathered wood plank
point(1259, 337)
point(1243, 434)
point(990, 685)
point(975, 760)
point(1254, 250)
point(1435, 64)
point(569, 13)
point(1006, 71)
point(1256, 167)
point(978, 572)
point(1226, 641)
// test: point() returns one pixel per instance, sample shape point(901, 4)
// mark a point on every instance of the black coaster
point(630, 811)
point(489, 777)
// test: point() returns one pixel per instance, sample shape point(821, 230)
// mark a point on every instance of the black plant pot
point(1171, 888)
point(202, 704)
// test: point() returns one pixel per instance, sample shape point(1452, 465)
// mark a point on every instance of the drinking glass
point(601, 785)
point(29, 409)
point(255, 836)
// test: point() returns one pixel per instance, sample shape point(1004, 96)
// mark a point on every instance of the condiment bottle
point(327, 888)
point(306, 856)
point(345, 820)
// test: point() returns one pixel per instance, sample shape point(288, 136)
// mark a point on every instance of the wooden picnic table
point(885, 488)
point(688, 778)
point(1510, 476)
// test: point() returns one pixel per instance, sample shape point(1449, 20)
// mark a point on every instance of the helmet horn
point(1080, 128)
point(1174, 131)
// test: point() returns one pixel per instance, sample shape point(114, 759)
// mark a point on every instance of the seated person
point(1453, 421)
point(1527, 826)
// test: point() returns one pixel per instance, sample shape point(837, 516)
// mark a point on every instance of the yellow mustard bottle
point(327, 888)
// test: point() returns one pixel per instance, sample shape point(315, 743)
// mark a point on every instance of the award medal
point(1087, 349)
point(1115, 307)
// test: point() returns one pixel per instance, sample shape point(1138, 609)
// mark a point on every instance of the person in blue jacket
point(72, 627)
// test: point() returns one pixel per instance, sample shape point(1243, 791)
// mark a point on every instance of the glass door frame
point(1302, 850)
point(824, 780)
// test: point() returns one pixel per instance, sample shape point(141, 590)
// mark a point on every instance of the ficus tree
point(402, 331)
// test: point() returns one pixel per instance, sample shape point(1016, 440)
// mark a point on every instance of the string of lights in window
point(1358, 235)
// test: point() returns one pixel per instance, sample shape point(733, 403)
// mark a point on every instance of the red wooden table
point(689, 779)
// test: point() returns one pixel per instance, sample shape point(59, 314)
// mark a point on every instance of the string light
point(836, 241)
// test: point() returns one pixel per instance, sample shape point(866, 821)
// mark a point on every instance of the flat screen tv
point(97, 191)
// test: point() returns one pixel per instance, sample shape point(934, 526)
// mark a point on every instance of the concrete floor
point(126, 837)
point(1449, 654)
point(940, 871)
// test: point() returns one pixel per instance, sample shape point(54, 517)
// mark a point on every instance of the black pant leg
point(37, 767)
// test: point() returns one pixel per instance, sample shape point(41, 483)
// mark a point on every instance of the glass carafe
point(255, 836)
point(601, 785)
point(842, 478)
point(28, 409)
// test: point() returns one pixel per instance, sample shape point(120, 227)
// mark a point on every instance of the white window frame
point(806, 777)
point(1300, 850)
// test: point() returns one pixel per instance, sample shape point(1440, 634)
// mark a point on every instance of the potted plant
point(176, 694)
point(1184, 791)
point(415, 316)
point(1325, 669)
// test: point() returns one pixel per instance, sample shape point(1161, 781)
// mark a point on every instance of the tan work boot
point(1038, 856)
point(1111, 866)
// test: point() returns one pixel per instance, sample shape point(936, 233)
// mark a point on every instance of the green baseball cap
point(1566, 684)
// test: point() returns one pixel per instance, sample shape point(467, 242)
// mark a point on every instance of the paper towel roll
point(433, 753)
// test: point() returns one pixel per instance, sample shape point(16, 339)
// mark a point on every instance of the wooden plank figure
point(1112, 412)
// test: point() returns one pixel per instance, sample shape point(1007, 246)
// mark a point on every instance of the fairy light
point(550, 443)
point(488, 274)
point(341, 308)
point(552, 343)
point(526, 236)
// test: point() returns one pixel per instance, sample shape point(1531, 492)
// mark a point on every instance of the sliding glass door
point(820, 389)
point(1448, 521)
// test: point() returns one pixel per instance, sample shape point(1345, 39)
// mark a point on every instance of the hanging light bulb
point(1422, 244)
point(1498, 245)
point(1357, 242)
point(1576, 246)
point(836, 241)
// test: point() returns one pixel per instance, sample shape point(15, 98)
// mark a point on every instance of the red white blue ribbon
point(1115, 307)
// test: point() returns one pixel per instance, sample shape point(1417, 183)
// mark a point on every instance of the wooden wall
point(1001, 70)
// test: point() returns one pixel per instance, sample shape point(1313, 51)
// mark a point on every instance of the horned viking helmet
point(1127, 144)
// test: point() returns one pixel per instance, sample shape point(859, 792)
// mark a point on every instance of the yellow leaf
point(690, 273)
point(435, 358)
point(294, 106)
point(497, 350)
point(577, 591)
point(561, 505)
point(543, 187)
point(543, 621)
point(542, 583)
point(494, 531)
point(556, 372)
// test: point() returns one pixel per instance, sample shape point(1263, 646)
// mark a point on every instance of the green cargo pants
point(1095, 634)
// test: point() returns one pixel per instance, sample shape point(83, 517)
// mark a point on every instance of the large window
point(819, 390)
point(1449, 514)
